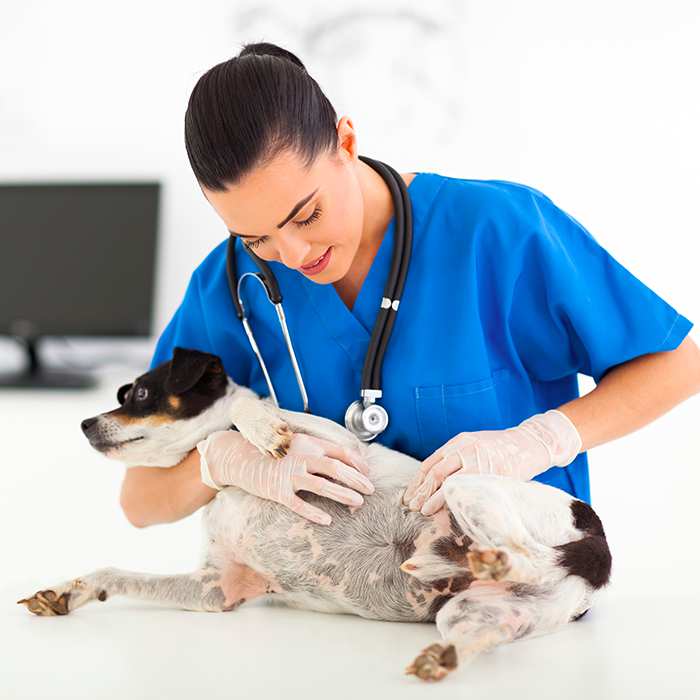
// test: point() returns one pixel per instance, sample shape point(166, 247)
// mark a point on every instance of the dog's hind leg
point(516, 526)
point(471, 622)
point(207, 589)
point(488, 614)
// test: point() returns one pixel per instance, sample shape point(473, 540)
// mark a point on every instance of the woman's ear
point(187, 368)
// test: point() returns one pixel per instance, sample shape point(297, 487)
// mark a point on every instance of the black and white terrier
point(503, 560)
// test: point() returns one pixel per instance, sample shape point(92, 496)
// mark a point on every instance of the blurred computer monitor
point(76, 259)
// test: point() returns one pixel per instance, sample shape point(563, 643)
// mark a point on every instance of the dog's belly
point(350, 566)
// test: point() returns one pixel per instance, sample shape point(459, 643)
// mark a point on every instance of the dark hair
point(243, 112)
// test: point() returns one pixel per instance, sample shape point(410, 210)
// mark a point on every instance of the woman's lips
point(319, 266)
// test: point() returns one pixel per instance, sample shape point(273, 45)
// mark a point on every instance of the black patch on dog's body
point(461, 583)
point(590, 556)
point(586, 519)
point(525, 590)
point(440, 584)
point(447, 548)
point(437, 603)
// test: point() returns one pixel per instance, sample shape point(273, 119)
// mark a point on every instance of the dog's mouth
point(111, 445)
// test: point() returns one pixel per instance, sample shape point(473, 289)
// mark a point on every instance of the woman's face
point(330, 215)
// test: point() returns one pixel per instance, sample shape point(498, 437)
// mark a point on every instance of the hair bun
point(266, 49)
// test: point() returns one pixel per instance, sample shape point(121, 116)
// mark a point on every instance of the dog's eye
point(141, 393)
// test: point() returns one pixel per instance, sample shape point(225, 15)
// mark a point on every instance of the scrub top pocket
point(444, 410)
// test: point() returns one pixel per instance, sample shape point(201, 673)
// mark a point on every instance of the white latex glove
point(542, 441)
point(228, 459)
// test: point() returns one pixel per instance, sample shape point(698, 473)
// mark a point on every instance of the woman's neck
point(378, 211)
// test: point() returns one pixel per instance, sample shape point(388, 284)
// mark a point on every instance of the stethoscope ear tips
point(366, 422)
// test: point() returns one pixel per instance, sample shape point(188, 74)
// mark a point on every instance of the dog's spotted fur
point(503, 560)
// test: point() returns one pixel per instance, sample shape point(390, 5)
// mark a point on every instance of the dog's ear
point(122, 392)
point(187, 368)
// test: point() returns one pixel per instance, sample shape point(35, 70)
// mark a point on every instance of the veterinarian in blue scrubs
point(507, 299)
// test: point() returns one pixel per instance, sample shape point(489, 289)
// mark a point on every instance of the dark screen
point(78, 259)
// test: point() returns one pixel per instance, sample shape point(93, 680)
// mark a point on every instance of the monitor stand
point(36, 376)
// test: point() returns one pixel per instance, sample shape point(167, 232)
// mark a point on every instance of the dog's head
point(165, 412)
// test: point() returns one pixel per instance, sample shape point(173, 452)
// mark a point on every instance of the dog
point(502, 560)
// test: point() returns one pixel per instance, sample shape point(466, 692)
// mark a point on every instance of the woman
point(507, 298)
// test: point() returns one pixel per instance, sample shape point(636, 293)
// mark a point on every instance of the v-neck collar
point(352, 329)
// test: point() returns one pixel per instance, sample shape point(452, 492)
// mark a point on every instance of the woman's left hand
point(542, 441)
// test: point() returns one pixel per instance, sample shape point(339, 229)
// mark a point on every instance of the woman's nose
point(293, 253)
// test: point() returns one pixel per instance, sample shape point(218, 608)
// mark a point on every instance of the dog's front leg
point(270, 428)
point(208, 589)
point(259, 421)
point(319, 426)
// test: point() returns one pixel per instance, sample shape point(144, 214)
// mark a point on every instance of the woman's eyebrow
point(292, 214)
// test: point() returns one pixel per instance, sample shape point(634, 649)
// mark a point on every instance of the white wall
point(592, 104)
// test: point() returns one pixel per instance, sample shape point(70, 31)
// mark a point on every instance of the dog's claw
point(281, 442)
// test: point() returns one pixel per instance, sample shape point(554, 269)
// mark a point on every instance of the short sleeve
point(574, 307)
point(186, 328)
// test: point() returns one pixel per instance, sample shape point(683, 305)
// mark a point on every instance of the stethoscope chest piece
point(366, 422)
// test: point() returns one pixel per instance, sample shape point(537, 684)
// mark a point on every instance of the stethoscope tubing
point(386, 315)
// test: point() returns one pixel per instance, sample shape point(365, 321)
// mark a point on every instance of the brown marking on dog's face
point(174, 402)
point(154, 419)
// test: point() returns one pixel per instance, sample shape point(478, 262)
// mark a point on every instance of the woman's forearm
point(635, 393)
point(152, 495)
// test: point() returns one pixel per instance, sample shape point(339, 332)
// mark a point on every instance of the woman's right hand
point(228, 459)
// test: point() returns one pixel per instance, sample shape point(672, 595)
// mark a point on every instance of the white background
point(594, 104)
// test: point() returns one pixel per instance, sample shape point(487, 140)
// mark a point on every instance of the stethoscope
point(365, 418)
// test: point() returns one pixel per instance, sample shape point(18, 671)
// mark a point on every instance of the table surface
point(61, 518)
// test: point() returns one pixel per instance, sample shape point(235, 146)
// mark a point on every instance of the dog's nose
point(87, 424)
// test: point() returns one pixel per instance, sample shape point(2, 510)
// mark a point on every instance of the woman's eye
point(311, 219)
point(306, 222)
point(141, 393)
point(256, 242)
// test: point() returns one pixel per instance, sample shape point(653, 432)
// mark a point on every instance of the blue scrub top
point(507, 298)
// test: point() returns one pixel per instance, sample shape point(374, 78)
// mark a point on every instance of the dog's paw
point(47, 603)
point(434, 662)
point(260, 423)
point(488, 564)
point(274, 438)
point(62, 599)
point(271, 436)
